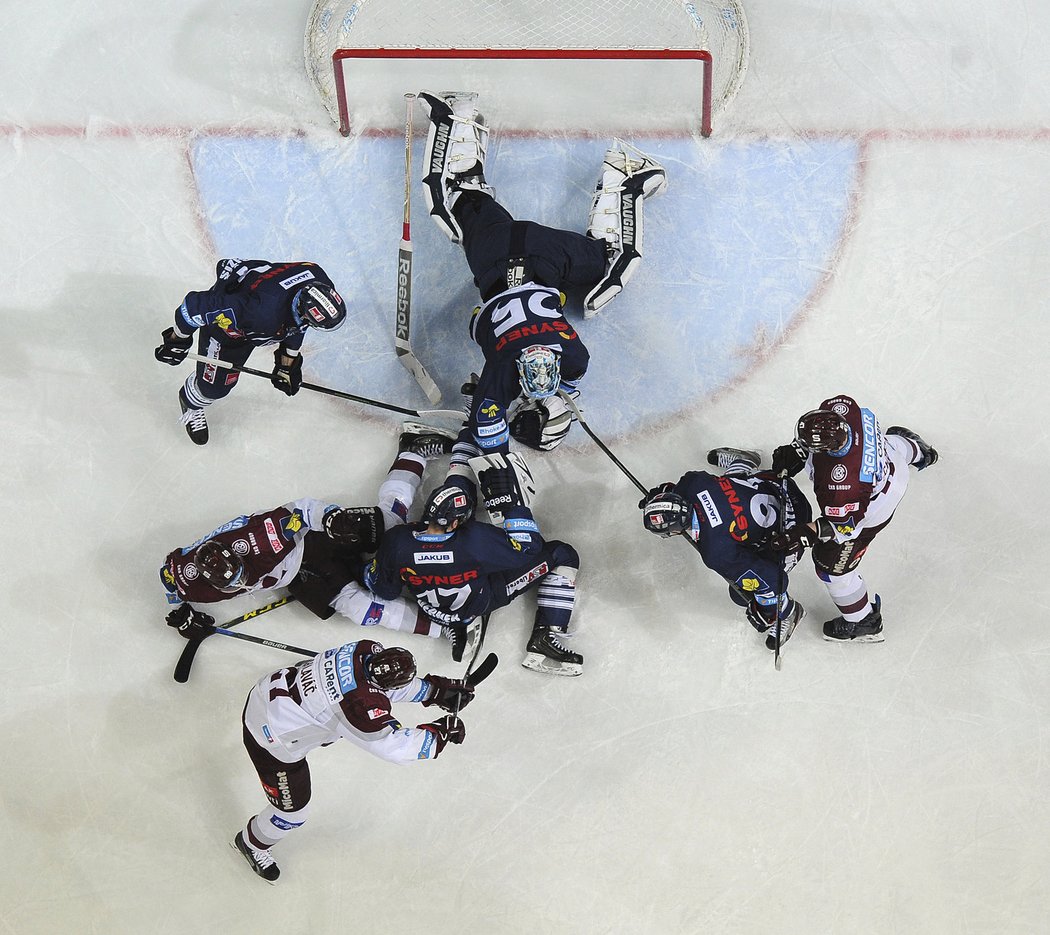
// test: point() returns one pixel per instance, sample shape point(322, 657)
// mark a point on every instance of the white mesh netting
point(374, 87)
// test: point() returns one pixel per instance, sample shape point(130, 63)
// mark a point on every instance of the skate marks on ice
point(747, 234)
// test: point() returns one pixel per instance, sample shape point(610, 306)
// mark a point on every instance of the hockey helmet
point(822, 430)
point(318, 305)
point(539, 371)
point(666, 514)
point(391, 668)
point(447, 507)
point(360, 527)
point(219, 566)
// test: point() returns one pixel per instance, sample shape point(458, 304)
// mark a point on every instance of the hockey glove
point(757, 616)
point(174, 349)
point(542, 424)
point(448, 729)
point(191, 624)
point(445, 691)
point(287, 377)
point(800, 536)
point(788, 460)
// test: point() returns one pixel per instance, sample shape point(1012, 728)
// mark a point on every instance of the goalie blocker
point(505, 482)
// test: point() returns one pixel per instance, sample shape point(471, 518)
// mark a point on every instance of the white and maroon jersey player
point(859, 488)
point(329, 698)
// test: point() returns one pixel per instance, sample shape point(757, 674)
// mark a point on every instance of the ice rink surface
point(870, 217)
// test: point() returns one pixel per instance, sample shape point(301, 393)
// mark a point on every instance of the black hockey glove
point(789, 459)
point(665, 487)
point(191, 624)
point(757, 617)
point(174, 349)
point(287, 377)
point(448, 729)
point(444, 692)
point(800, 536)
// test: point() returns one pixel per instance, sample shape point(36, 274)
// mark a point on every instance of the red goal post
point(584, 61)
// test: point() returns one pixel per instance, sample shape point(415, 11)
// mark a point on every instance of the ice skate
point(426, 441)
point(927, 453)
point(868, 630)
point(260, 861)
point(787, 626)
point(454, 156)
point(195, 421)
point(734, 460)
point(545, 653)
point(463, 637)
point(628, 177)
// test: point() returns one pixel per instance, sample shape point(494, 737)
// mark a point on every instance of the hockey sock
point(271, 826)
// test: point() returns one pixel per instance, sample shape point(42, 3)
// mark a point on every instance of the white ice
point(871, 217)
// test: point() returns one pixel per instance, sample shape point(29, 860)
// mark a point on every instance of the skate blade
point(540, 663)
point(874, 638)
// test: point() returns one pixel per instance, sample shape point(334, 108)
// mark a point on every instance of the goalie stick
point(189, 651)
point(403, 317)
point(364, 400)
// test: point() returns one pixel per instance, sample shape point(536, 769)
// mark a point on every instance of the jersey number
point(516, 312)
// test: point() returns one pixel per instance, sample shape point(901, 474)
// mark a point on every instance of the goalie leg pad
point(505, 482)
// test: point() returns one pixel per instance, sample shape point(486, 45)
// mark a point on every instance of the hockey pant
point(287, 787)
point(502, 252)
point(837, 562)
point(553, 572)
point(209, 382)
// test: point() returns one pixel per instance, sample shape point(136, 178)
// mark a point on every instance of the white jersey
point(321, 700)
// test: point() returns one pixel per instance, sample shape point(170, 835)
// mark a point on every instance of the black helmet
point(666, 514)
point(822, 430)
point(319, 306)
point(447, 506)
point(391, 668)
point(220, 567)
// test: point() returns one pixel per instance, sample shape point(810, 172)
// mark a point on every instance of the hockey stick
point(403, 320)
point(379, 404)
point(486, 667)
point(258, 639)
point(182, 667)
point(782, 574)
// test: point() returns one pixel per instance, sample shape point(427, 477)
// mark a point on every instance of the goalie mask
point(318, 306)
point(391, 668)
point(822, 430)
point(219, 566)
point(539, 371)
point(666, 514)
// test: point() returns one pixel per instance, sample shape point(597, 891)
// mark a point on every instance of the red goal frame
point(701, 55)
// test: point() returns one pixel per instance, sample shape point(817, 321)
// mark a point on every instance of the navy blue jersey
point(456, 576)
point(251, 302)
point(729, 514)
point(503, 328)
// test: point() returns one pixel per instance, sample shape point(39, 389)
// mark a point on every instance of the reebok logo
point(404, 293)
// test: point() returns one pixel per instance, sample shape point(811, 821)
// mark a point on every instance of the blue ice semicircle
point(742, 237)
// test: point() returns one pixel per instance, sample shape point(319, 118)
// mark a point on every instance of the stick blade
point(483, 671)
point(182, 667)
point(425, 381)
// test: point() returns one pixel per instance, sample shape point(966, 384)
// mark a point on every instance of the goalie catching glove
point(505, 481)
point(542, 423)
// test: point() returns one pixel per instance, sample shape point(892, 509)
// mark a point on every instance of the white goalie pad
point(505, 482)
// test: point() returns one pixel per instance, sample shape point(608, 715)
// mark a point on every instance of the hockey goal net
point(546, 64)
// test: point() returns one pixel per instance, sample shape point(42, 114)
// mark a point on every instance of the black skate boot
point(868, 630)
point(545, 653)
point(260, 861)
point(463, 637)
point(425, 440)
point(195, 421)
point(927, 454)
point(787, 626)
point(734, 460)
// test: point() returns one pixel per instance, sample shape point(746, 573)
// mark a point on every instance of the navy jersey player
point(523, 270)
point(728, 517)
point(459, 568)
point(859, 474)
point(253, 303)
